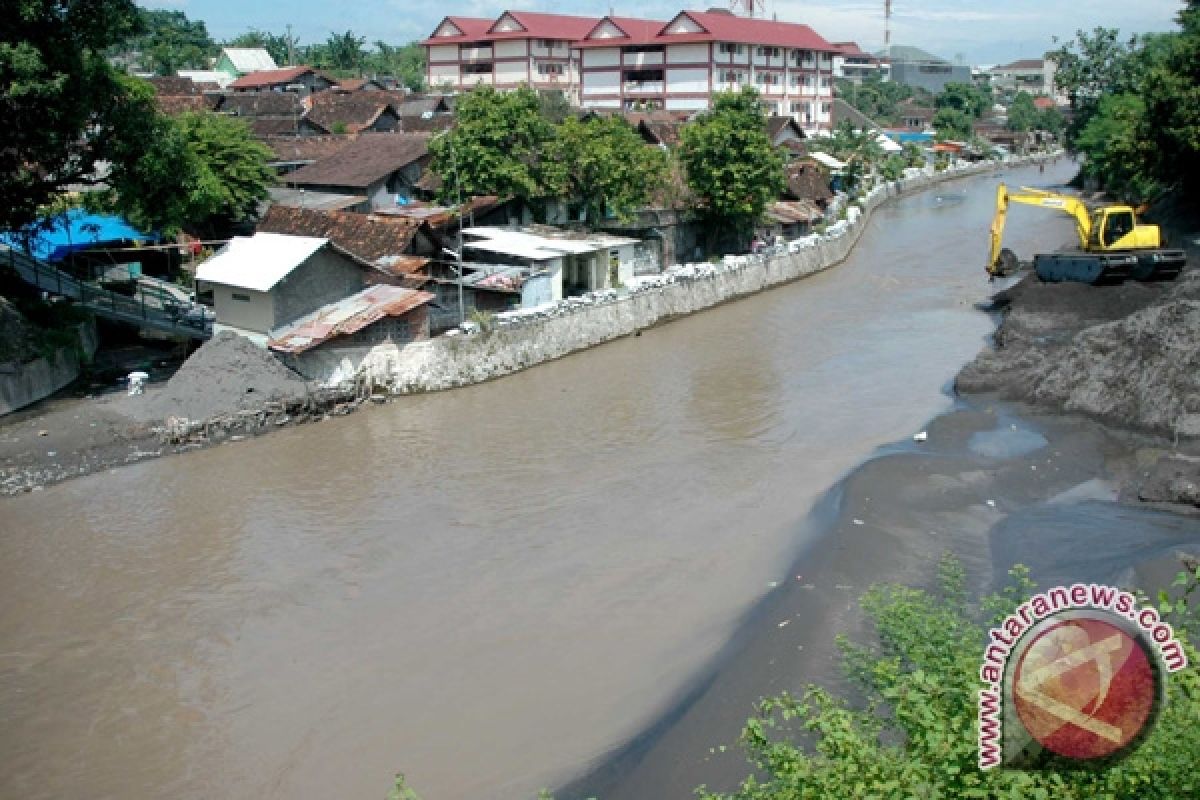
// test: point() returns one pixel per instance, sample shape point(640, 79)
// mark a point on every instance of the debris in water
point(920, 437)
point(785, 622)
point(859, 522)
point(773, 584)
point(991, 503)
point(43, 433)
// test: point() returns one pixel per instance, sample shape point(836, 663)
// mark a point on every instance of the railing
point(645, 87)
point(150, 308)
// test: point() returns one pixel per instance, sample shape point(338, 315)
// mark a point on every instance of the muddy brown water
point(487, 589)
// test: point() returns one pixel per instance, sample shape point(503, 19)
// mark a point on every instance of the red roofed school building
point(629, 64)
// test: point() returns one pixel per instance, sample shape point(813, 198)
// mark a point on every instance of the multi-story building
point(1033, 75)
point(913, 66)
point(853, 64)
point(678, 66)
point(520, 47)
point(622, 63)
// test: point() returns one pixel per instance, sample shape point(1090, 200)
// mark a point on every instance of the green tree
point(965, 97)
point(1116, 153)
point(730, 163)
point(496, 147)
point(1052, 120)
point(64, 108)
point(1172, 106)
point(406, 63)
point(344, 51)
point(198, 171)
point(171, 42)
point(1093, 65)
point(606, 168)
point(273, 43)
point(915, 731)
point(857, 148)
point(952, 124)
point(1022, 113)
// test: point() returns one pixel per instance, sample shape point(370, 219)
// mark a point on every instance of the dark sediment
point(1127, 356)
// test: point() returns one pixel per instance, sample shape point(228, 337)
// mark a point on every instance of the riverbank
point(994, 483)
point(87, 435)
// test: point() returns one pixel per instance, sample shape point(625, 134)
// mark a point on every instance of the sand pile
point(1128, 355)
point(226, 375)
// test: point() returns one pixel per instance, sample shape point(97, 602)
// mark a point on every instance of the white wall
point(602, 83)
point(602, 57)
point(687, 80)
point(687, 53)
point(686, 103)
point(511, 71)
point(443, 72)
point(443, 52)
point(508, 48)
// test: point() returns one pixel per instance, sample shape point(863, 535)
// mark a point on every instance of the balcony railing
point(645, 87)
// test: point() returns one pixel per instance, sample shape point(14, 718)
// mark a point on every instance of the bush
point(916, 733)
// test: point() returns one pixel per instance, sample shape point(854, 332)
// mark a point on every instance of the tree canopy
point(1136, 107)
point(65, 109)
point(604, 166)
point(275, 44)
point(172, 42)
point(730, 163)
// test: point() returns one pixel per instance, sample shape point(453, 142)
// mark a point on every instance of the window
point(766, 78)
point(729, 49)
point(548, 44)
point(549, 69)
point(799, 56)
point(477, 69)
point(642, 48)
point(244, 298)
point(824, 81)
point(826, 108)
point(770, 52)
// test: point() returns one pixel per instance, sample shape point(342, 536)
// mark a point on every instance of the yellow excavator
point(1113, 245)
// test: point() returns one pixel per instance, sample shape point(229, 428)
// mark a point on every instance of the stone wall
point(23, 384)
point(520, 339)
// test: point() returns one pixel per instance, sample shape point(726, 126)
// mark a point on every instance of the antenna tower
point(887, 27)
point(749, 6)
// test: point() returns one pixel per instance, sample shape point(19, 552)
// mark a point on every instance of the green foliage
point(1117, 154)
point(198, 171)
point(171, 42)
point(952, 124)
point(915, 733)
point(874, 97)
point(275, 44)
point(406, 63)
point(730, 163)
point(62, 105)
point(965, 97)
point(893, 167)
point(1022, 113)
point(343, 51)
point(496, 147)
point(604, 166)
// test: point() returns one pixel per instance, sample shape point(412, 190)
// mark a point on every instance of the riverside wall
point(25, 384)
point(516, 340)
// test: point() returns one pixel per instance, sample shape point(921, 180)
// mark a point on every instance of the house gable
point(607, 29)
point(507, 24)
point(447, 28)
point(683, 23)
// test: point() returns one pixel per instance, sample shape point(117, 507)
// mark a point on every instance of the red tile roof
point(544, 26)
point(270, 77)
point(364, 161)
point(473, 28)
point(637, 31)
point(724, 27)
point(347, 316)
point(1043, 102)
point(370, 237)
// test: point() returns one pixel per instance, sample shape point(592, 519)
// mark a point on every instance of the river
point(487, 589)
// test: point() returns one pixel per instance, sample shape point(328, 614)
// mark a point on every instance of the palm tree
point(345, 51)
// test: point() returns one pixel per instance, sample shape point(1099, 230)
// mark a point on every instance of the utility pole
point(291, 46)
point(887, 28)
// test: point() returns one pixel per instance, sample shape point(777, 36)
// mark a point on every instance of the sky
point(977, 33)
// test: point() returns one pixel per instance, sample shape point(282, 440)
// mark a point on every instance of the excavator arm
point(1072, 206)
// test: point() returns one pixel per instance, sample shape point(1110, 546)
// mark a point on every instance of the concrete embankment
point(22, 384)
point(520, 340)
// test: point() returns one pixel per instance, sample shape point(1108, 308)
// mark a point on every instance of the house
point(238, 61)
point(807, 181)
point(913, 66)
point(853, 64)
point(784, 130)
point(360, 85)
point(518, 48)
point(299, 79)
point(558, 263)
point(340, 112)
point(262, 282)
point(271, 113)
point(1033, 75)
point(679, 65)
point(659, 128)
point(174, 95)
point(400, 247)
point(292, 153)
point(383, 167)
point(206, 76)
point(914, 117)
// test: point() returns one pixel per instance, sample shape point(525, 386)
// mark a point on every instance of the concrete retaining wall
point(518, 340)
point(23, 384)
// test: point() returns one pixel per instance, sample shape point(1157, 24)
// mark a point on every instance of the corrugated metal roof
point(347, 316)
point(250, 59)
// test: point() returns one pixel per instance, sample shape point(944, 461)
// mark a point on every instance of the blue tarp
point(78, 230)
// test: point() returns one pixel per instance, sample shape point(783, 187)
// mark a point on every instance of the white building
point(622, 63)
point(628, 64)
point(1033, 75)
point(520, 47)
